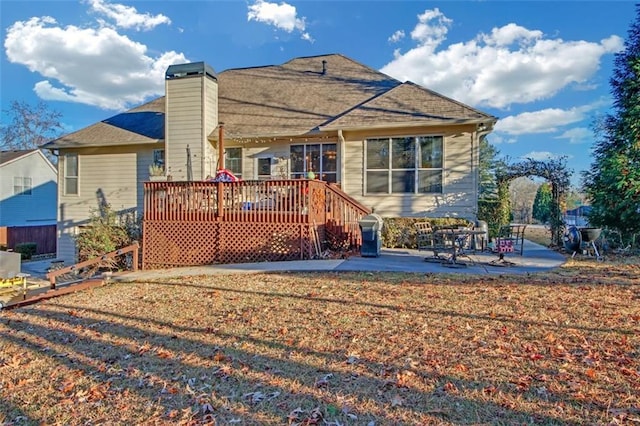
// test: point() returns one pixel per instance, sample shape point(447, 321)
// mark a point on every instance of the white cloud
point(128, 16)
point(396, 37)
point(543, 155)
point(282, 16)
point(544, 121)
point(91, 66)
point(497, 139)
point(509, 65)
point(431, 29)
point(577, 135)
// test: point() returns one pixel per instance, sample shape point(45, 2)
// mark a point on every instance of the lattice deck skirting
point(172, 243)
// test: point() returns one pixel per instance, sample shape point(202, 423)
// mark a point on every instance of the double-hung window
point(233, 161)
point(404, 165)
point(71, 174)
point(21, 185)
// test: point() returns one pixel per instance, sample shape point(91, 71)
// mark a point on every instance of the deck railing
point(189, 223)
point(280, 201)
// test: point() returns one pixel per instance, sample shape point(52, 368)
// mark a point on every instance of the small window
point(158, 157)
point(264, 168)
point(21, 185)
point(233, 161)
point(71, 174)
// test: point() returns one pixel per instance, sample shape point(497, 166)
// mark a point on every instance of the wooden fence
point(43, 235)
point(195, 223)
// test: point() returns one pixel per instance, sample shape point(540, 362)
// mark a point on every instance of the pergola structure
point(555, 172)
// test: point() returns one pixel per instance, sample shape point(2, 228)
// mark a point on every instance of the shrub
point(106, 232)
point(400, 232)
point(26, 250)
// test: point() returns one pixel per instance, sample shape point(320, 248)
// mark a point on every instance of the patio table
point(455, 240)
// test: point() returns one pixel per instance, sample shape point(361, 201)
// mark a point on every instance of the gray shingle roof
point(141, 125)
point(299, 97)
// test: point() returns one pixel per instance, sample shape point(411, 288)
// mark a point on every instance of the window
point(71, 174)
point(321, 159)
point(233, 161)
point(404, 165)
point(21, 185)
point(158, 157)
point(264, 168)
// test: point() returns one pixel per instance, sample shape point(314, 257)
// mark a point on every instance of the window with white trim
point(319, 159)
point(71, 174)
point(264, 167)
point(158, 157)
point(21, 185)
point(233, 161)
point(404, 165)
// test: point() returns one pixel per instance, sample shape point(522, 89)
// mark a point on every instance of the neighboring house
point(396, 147)
point(28, 189)
point(578, 216)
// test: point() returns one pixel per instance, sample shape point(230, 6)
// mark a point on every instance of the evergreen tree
point(613, 181)
point(542, 203)
point(488, 163)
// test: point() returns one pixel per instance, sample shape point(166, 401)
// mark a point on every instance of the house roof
point(301, 97)
point(141, 125)
point(9, 156)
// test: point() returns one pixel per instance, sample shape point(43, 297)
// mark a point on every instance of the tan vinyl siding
point(458, 197)
point(109, 175)
point(279, 151)
point(191, 114)
point(210, 156)
point(183, 126)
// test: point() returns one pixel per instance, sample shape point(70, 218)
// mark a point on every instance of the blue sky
point(542, 68)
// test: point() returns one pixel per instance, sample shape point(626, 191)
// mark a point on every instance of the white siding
point(39, 208)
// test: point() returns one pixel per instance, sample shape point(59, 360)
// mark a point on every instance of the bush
point(26, 250)
point(106, 232)
point(400, 232)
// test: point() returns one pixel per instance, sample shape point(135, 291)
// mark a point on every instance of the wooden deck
point(197, 223)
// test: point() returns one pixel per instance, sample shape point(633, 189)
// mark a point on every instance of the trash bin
point(371, 229)
point(479, 241)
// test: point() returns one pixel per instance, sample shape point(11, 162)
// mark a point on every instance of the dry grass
point(538, 234)
point(332, 348)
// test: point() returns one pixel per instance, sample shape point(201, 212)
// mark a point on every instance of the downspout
point(203, 126)
point(221, 146)
point(342, 158)
point(474, 177)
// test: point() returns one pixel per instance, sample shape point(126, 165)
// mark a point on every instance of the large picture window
point(321, 159)
point(71, 174)
point(404, 165)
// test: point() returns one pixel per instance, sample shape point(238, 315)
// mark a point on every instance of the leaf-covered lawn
point(331, 348)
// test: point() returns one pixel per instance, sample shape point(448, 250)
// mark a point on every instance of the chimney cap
point(189, 70)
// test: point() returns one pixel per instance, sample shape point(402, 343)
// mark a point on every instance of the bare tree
point(522, 193)
point(29, 126)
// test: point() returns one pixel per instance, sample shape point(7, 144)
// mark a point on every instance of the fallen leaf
point(397, 401)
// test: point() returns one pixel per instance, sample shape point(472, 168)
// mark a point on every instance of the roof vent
point(324, 67)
